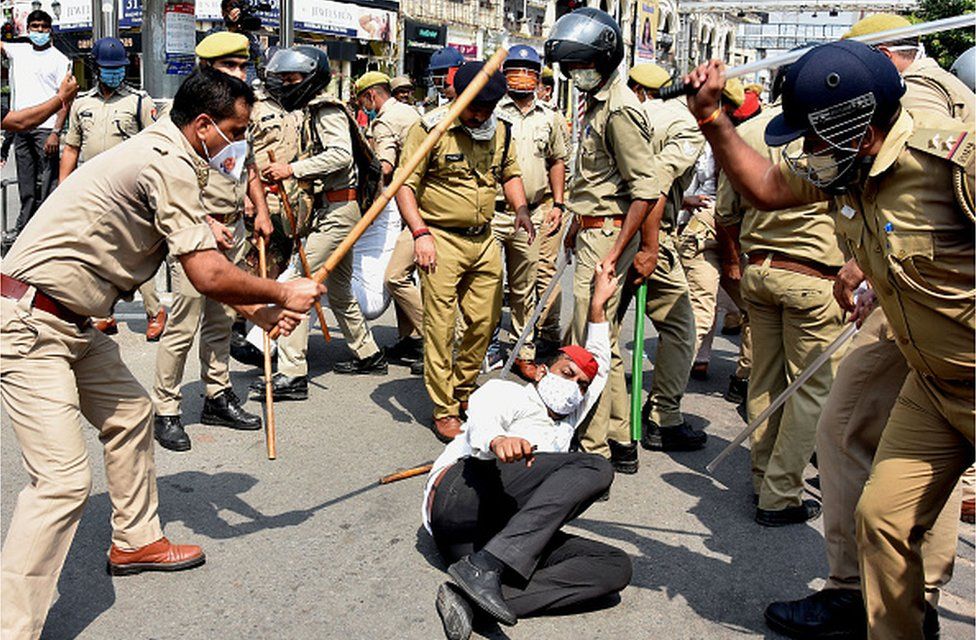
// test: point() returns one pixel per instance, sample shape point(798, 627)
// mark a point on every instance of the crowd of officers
point(698, 199)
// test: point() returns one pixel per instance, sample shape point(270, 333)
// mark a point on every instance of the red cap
point(583, 359)
point(749, 107)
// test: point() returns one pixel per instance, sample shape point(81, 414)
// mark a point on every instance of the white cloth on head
point(34, 75)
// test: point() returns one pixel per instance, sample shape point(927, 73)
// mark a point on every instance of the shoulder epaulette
point(430, 120)
point(957, 147)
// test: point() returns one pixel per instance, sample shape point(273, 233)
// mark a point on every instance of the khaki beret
point(401, 82)
point(734, 92)
point(370, 79)
point(876, 23)
point(650, 75)
point(223, 45)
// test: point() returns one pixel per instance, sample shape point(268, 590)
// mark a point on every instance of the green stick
point(637, 364)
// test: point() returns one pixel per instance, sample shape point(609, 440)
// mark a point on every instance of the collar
point(921, 66)
point(604, 93)
point(385, 107)
point(508, 103)
point(893, 144)
point(171, 131)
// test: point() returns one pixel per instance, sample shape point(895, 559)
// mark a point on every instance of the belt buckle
point(607, 228)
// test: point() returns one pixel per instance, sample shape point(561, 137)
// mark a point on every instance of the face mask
point(371, 113)
point(486, 131)
point(39, 38)
point(111, 78)
point(230, 160)
point(560, 394)
point(586, 79)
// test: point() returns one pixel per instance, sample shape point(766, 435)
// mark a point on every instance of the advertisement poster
point(350, 20)
point(181, 38)
point(646, 40)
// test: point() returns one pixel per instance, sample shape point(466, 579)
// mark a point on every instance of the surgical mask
point(230, 160)
point(39, 38)
point(561, 395)
point(486, 131)
point(371, 114)
point(586, 79)
point(111, 77)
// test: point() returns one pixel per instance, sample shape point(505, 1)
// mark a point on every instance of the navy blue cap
point(109, 52)
point(490, 94)
point(444, 59)
point(523, 56)
point(829, 75)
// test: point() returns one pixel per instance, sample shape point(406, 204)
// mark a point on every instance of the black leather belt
point(467, 232)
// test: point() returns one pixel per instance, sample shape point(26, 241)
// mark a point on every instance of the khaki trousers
point(924, 449)
point(192, 313)
point(670, 311)
point(402, 287)
point(794, 317)
point(610, 418)
point(467, 277)
point(548, 325)
point(330, 226)
point(53, 374)
point(521, 261)
point(150, 299)
point(865, 388)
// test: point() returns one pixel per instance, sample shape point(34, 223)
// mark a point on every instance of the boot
point(623, 456)
point(678, 438)
point(283, 387)
point(169, 433)
point(406, 351)
point(376, 364)
point(831, 613)
point(224, 410)
point(738, 390)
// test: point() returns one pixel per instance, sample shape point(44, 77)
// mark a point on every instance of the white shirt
point(504, 408)
point(35, 75)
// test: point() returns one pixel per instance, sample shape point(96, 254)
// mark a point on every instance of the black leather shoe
point(224, 410)
point(832, 613)
point(283, 387)
point(169, 433)
point(809, 510)
point(484, 588)
point(455, 612)
point(931, 629)
point(623, 456)
point(417, 368)
point(738, 390)
point(679, 438)
point(376, 364)
point(406, 351)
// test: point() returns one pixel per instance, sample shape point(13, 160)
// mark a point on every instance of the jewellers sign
point(349, 20)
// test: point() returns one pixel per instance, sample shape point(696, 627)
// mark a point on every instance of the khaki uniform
point(548, 327)
point(96, 124)
point(106, 234)
point(539, 142)
point(793, 317)
point(386, 134)
point(917, 250)
point(327, 164)
point(930, 87)
point(455, 187)
point(615, 165)
point(677, 142)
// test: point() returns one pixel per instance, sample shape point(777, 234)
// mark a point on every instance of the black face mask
point(290, 96)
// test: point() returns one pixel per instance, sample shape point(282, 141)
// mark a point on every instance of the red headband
point(583, 359)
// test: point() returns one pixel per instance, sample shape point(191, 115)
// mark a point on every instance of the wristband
point(421, 232)
point(712, 118)
point(562, 207)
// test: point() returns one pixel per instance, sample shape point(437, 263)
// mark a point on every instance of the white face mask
point(586, 79)
point(561, 395)
point(230, 160)
point(486, 131)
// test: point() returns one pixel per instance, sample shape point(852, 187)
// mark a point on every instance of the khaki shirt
point(273, 129)
point(326, 146)
point(457, 181)
point(388, 130)
point(803, 233)
point(539, 140)
point(96, 124)
point(929, 86)
point(106, 230)
point(677, 142)
point(914, 243)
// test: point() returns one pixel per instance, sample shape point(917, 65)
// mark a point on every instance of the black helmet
point(311, 62)
point(586, 35)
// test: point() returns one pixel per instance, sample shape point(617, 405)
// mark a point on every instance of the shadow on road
point(411, 401)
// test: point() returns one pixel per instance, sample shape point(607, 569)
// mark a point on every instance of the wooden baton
point(407, 168)
point(407, 473)
point(269, 423)
point(286, 205)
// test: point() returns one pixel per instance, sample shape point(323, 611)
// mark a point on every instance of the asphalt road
point(309, 546)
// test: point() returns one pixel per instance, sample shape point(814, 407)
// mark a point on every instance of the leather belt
point(433, 488)
point(14, 289)
point(597, 222)
point(467, 232)
point(805, 267)
point(341, 195)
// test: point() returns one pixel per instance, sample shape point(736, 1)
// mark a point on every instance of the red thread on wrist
point(712, 118)
point(422, 231)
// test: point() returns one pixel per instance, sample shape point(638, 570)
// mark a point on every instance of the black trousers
point(516, 512)
point(37, 173)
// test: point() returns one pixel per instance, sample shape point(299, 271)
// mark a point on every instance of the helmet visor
point(291, 61)
point(577, 27)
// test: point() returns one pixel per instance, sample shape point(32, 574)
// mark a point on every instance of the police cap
point(490, 94)
point(223, 44)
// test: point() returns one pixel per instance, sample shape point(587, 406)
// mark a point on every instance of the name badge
point(848, 212)
point(454, 157)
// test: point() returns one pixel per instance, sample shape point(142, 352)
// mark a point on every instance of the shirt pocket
point(911, 258)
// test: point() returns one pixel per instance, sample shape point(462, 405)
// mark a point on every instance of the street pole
point(156, 81)
point(286, 37)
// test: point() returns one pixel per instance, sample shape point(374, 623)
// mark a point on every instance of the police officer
point(402, 88)
point(299, 77)
point(677, 143)
point(547, 84)
point(118, 216)
point(448, 204)
point(192, 312)
point(614, 189)
point(391, 119)
point(101, 118)
point(443, 64)
point(540, 146)
point(888, 152)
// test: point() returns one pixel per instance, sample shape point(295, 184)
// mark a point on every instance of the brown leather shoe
point(108, 326)
point(161, 555)
point(156, 326)
point(968, 510)
point(525, 369)
point(447, 428)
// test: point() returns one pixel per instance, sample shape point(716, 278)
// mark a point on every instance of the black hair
point(38, 15)
point(208, 91)
point(227, 5)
